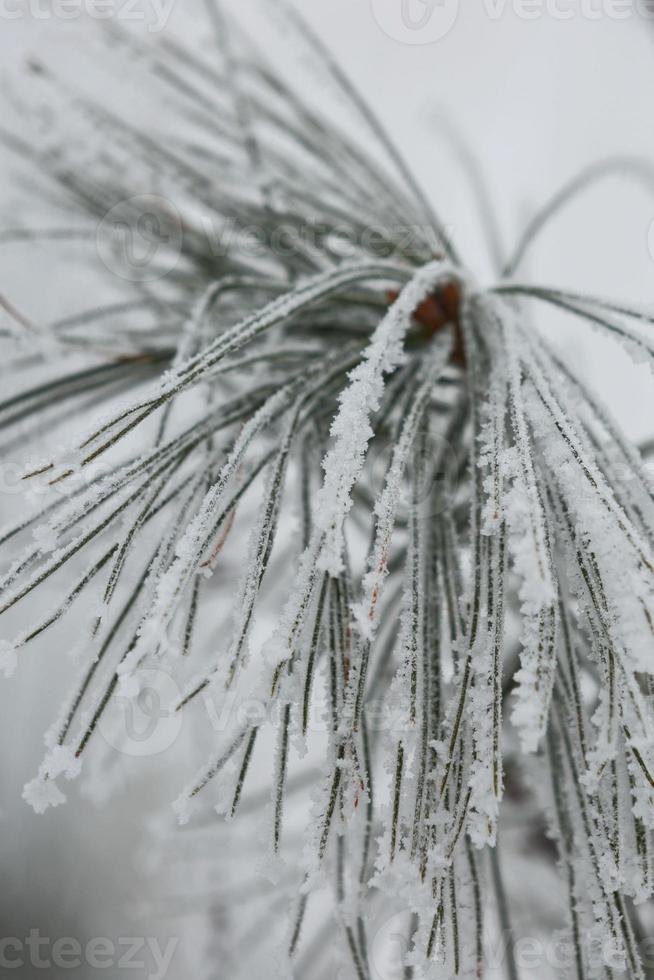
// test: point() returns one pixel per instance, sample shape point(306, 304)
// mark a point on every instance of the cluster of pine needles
point(464, 531)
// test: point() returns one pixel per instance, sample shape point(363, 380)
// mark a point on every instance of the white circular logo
point(390, 947)
point(432, 486)
point(650, 238)
point(140, 238)
point(140, 719)
point(416, 21)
